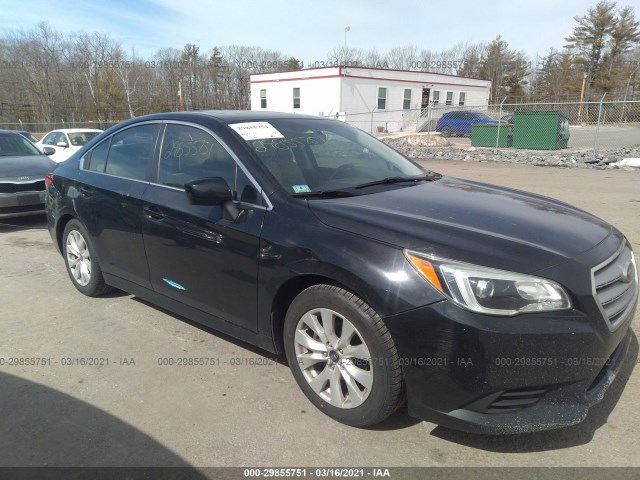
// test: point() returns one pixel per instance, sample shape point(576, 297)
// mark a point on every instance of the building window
point(382, 98)
point(462, 98)
point(263, 98)
point(449, 98)
point(296, 98)
point(436, 97)
point(406, 102)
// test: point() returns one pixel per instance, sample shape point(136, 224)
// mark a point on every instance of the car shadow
point(223, 336)
point(44, 427)
point(399, 420)
point(575, 435)
point(17, 224)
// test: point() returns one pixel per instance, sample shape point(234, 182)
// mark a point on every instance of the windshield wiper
point(326, 194)
point(389, 180)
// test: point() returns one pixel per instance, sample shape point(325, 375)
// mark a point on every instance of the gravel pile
point(543, 158)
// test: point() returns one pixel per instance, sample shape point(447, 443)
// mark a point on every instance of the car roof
point(74, 130)
point(230, 116)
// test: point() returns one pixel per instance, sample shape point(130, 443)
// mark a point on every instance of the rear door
point(198, 255)
point(465, 123)
point(114, 177)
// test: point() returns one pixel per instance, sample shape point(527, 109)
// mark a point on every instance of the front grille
point(512, 400)
point(615, 286)
point(22, 187)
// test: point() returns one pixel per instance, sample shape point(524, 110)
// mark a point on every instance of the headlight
point(487, 290)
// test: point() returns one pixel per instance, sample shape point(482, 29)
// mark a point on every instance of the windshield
point(16, 145)
point(80, 138)
point(307, 156)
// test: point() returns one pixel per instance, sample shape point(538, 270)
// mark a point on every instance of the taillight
point(48, 179)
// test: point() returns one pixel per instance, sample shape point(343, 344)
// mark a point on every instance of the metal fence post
point(428, 125)
point(499, 121)
point(372, 121)
point(595, 142)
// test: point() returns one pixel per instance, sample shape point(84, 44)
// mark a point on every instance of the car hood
point(25, 166)
point(469, 221)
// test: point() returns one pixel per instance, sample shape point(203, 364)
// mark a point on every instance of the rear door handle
point(154, 213)
point(85, 191)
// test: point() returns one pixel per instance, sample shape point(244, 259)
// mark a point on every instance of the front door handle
point(154, 213)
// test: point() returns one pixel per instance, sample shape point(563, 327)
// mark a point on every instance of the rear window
point(81, 138)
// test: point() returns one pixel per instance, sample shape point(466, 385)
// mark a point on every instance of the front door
point(424, 103)
point(197, 254)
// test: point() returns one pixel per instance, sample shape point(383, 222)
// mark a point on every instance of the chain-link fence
point(41, 128)
point(579, 126)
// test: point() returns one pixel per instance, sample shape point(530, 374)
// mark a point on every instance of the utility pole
point(584, 82)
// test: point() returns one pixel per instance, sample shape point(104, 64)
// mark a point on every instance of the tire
point(446, 132)
point(81, 260)
point(357, 354)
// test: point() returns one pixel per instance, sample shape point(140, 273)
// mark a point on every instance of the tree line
point(46, 75)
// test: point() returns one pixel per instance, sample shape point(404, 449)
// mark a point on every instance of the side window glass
point(98, 157)
point(131, 152)
point(49, 139)
point(189, 153)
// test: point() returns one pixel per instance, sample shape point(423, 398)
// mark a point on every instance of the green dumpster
point(486, 134)
point(544, 130)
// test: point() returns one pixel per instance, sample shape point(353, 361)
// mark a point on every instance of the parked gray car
point(22, 175)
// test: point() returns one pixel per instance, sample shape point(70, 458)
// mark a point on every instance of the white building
point(373, 99)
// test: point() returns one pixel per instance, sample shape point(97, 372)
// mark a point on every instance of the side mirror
point(62, 144)
point(208, 191)
point(213, 191)
point(48, 150)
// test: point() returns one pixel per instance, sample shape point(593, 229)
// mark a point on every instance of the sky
point(303, 29)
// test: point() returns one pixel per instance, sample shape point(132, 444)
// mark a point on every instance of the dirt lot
point(245, 409)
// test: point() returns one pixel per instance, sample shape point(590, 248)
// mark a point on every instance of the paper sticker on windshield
point(256, 130)
point(301, 188)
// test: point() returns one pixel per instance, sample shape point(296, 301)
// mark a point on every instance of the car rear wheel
point(82, 261)
point(342, 356)
point(446, 132)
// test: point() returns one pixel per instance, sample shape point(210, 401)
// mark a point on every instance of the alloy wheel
point(78, 257)
point(334, 358)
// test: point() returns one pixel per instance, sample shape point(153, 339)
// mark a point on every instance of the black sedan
point(22, 174)
point(487, 309)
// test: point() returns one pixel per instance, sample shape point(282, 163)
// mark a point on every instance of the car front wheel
point(446, 132)
point(342, 356)
point(82, 261)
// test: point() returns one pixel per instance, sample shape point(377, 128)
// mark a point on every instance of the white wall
point(318, 94)
point(355, 92)
point(360, 98)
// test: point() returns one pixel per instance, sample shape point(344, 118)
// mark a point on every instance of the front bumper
point(22, 203)
point(494, 375)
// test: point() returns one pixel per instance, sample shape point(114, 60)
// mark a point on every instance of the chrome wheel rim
point(334, 358)
point(78, 258)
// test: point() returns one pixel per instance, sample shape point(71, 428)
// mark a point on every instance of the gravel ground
point(569, 158)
